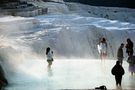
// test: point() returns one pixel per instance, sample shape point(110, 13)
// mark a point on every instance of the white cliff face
point(113, 13)
point(68, 35)
point(78, 36)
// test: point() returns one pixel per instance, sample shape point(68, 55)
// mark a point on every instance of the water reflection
point(50, 72)
point(118, 88)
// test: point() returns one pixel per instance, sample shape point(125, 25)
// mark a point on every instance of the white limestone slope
point(113, 13)
point(67, 35)
point(71, 34)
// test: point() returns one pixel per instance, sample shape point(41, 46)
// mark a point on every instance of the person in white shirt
point(102, 48)
point(49, 55)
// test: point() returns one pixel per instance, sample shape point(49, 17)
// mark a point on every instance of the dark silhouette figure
point(129, 47)
point(102, 48)
point(120, 53)
point(131, 61)
point(118, 72)
point(49, 55)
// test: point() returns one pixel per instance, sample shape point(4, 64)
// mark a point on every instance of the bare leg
point(102, 56)
point(49, 64)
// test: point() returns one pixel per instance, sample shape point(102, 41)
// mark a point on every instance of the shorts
point(49, 60)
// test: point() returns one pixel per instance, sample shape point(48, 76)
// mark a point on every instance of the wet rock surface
point(3, 80)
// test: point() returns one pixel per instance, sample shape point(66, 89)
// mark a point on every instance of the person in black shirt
point(118, 72)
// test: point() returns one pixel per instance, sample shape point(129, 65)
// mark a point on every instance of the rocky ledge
point(21, 9)
point(3, 80)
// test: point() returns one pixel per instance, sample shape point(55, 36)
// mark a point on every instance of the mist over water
point(73, 35)
point(24, 40)
point(14, 51)
point(67, 35)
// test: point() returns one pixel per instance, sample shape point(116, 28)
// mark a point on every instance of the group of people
point(118, 70)
point(131, 58)
point(129, 50)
